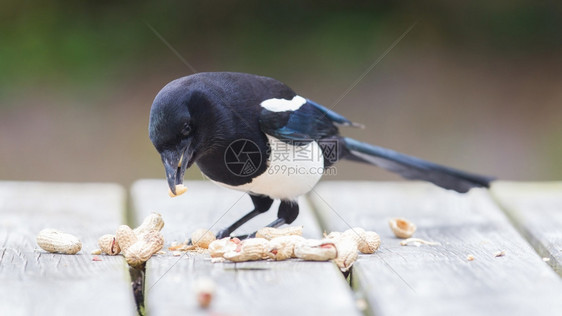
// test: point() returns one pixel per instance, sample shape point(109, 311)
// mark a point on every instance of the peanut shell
point(125, 237)
point(271, 232)
point(109, 245)
point(402, 228)
point(53, 240)
point(282, 248)
point(347, 253)
point(152, 222)
point(369, 242)
point(248, 250)
point(142, 250)
point(316, 250)
point(218, 247)
point(202, 238)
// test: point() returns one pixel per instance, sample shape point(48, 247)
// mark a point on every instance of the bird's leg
point(261, 204)
point(287, 213)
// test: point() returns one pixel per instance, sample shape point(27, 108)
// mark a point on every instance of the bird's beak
point(175, 163)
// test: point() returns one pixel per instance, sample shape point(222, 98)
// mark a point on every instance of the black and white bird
point(255, 134)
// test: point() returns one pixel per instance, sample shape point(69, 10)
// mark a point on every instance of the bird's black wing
point(309, 122)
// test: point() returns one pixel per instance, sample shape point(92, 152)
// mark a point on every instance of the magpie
point(255, 134)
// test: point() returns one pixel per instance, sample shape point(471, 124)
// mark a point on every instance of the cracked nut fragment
point(219, 247)
point(402, 228)
point(180, 189)
point(271, 232)
point(282, 248)
point(202, 238)
point(109, 245)
point(346, 253)
point(53, 240)
point(249, 250)
point(316, 250)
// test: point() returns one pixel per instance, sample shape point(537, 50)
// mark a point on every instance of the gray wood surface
point(34, 282)
point(439, 280)
point(251, 288)
point(536, 210)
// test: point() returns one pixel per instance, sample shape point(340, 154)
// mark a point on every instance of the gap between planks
point(34, 282)
point(439, 280)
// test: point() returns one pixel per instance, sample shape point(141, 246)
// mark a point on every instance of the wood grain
point(34, 282)
point(251, 288)
point(536, 210)
point(439, 280)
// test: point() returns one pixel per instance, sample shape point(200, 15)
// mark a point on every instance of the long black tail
point(414, 168)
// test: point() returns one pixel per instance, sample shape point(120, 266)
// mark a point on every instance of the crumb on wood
point(499, 254)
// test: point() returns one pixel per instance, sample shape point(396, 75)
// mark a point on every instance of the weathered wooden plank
point(439, 280)
point(536, 210)
point(251, 288)
point(34, 282)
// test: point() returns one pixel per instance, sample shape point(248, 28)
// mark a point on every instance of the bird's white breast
point(292, 171)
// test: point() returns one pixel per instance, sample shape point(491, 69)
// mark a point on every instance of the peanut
point(125, 237)
point(282, 248)
point(346, 253)
point(143, 249)
point(202, 238)
point(109, 245)
point(152, 222)
point(219, 247)
point(204, 289)
point(180, 189)
point(53, 240)
point(316, 250)
point(402, 228)
point(248, 250)
point(355, 233)
point(369, 243)
point(271, 232)
point(333, 235)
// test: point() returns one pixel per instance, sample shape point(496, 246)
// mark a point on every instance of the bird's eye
point(186, 130)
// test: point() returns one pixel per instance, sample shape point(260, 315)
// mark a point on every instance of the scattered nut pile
point(284, 243)
point(137, 245)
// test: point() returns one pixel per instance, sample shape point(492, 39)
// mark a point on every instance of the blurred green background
point(475, 85)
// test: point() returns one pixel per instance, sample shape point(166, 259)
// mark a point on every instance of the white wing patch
point(282, 105)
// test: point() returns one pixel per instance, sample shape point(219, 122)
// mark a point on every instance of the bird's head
point(173, 129)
